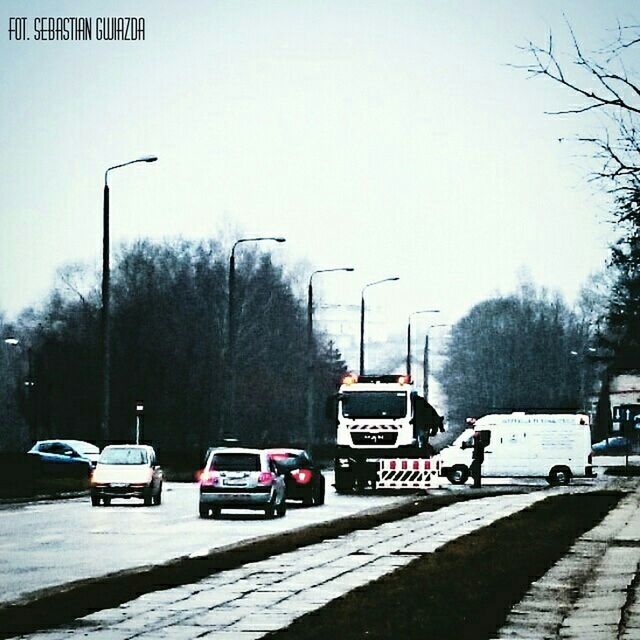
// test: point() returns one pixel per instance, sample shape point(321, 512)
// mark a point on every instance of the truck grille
point(374, 439)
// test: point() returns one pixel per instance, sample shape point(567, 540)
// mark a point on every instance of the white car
point(127, 471)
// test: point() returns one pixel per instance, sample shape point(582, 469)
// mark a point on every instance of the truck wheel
point(343, 483)
point(559, 476)
point(458, 474)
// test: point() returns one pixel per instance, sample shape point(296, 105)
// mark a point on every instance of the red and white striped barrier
point(408, 473)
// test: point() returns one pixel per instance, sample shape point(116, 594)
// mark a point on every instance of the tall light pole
point(310, 351)
point(231, 325)
point(106, 338)
point(414, 313)
point(371, 284)
point(29, 383)
point(425, 362)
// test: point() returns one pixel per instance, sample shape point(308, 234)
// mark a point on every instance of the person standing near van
point(477, 458)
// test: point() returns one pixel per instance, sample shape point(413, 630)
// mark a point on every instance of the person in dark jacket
point(477, 458)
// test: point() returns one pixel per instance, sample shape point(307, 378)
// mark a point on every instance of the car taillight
point(209, 478)
point(266, 477)
point(301, 476)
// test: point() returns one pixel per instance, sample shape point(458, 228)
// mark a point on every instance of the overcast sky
point(392, 136)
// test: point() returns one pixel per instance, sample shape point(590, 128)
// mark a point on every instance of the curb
point(45, 497)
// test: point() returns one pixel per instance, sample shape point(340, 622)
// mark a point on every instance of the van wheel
point(559, 476)
point(458, 474)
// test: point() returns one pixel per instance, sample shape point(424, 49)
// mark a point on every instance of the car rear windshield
point(235, 462)
point(123, 456)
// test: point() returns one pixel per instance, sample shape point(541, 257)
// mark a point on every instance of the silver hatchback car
point(239, 478)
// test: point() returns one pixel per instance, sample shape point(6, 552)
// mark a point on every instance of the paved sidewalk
point(248, 602)
point(592, 592)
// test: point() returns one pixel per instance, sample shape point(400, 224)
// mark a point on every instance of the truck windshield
point(374, 404)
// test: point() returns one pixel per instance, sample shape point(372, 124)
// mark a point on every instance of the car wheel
point(269, 511)
point(308, 500)
point(106, 501)
point(95, 501)
point(148, 499)
point(559, 476)
point(458, 474)
point(157, 499)
point(281, 509)
point(320, 494)
point(204, 510)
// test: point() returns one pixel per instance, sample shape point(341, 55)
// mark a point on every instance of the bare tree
point(599, 81)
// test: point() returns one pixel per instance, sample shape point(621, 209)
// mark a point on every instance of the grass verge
point(465, 589)
point(63, 604)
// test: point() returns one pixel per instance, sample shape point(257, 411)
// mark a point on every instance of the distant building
point(617, 409)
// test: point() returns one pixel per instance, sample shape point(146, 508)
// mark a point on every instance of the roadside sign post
point(139, 412)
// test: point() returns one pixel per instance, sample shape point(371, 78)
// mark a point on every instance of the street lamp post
point(231, 328)
point(106, 338)
point(370, 284)
point(29, 384)
point(414, 313)
point(425, 362)
point(310, 351)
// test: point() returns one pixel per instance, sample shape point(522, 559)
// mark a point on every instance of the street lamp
point(371, 284)
point(231, 319)
point(106, 351)
point(310, 348)
point(414, 313)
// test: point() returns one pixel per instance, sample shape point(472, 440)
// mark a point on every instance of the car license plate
point(119, 485)
point(235, 483)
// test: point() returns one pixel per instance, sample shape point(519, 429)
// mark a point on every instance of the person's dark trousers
point(476, 474)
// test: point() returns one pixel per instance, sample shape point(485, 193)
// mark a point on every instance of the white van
point(554, 446)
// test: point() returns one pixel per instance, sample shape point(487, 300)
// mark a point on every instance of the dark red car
point(303, 477)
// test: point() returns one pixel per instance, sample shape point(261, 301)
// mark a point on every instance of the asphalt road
point(45, 544)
